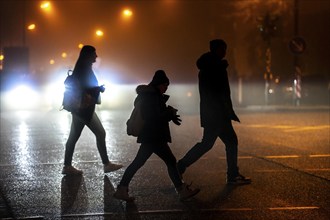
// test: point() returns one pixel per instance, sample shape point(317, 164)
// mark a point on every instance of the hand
point(177, 120)
point(102, 88)
point(172, 110)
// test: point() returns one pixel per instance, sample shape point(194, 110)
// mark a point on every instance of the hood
point(205, 60)
point(210, 60)
point(143, 89)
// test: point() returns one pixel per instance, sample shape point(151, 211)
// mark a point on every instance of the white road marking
point(179, 211)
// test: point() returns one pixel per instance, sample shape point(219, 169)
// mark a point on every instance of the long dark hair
point(86, 52)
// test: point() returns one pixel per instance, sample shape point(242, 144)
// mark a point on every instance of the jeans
point(77, 126)
point(145, 151)
point(227, 135)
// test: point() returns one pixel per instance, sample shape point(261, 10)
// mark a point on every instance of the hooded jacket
point(214, 89)
point(155, 113)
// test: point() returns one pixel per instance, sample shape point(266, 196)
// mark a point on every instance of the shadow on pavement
point(73, 194)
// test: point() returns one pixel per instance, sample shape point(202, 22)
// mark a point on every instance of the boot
point(185, 192)
point(122, 194)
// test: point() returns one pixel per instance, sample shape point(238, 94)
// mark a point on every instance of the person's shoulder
point(224, 63)
point(145, 91)
point(205, 60)
point(206, 55)
point(142, 89)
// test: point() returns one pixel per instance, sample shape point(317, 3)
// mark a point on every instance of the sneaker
point(122, 194)
point(185, 192)
point(109, 167)
point(239, 180)
point(70, 170)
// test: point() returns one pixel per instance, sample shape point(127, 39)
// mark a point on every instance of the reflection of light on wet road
point(64, 123)
point(105, 118)
point(112, 124)
point(24, 160)
point(23, 139)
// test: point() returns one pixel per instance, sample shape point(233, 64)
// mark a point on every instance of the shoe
point(239, 180)
point(122, 194)
point(109, 167)
point(70, 170)
point(185, 192)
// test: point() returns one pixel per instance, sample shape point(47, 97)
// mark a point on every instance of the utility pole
point(297, 46)
point(267, 29)
point(297, 70)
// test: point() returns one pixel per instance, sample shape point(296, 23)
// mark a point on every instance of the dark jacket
point(155, 113)
point(215, 100)
point(90, 90)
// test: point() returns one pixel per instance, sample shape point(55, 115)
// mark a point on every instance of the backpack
point(135, 122)
point(72, 94)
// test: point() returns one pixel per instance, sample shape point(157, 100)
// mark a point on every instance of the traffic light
point(267, 26)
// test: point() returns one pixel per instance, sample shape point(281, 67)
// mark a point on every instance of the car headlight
point(21, 97)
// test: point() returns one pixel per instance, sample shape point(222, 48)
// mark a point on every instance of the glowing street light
point(127, 13)
point(99, 33)
point(31, 27)
point(80, 46)
point(46, 6)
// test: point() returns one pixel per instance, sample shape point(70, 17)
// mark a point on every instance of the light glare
point(21, 97)
point(127, 13)
point(31, 27)
point(45, 5)
point(99, 33)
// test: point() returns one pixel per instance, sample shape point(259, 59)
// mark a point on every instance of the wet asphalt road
point(286, 153)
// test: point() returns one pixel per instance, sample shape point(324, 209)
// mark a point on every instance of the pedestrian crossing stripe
point(181, 211)
point(278, 156)
point(290, 128)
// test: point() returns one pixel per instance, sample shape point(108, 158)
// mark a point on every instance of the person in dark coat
point(155, 136)
point(89, 89)
point(216, 112)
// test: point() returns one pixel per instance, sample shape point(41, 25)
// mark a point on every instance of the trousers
point(145, 151)
point(77, 126)
point(227, 135)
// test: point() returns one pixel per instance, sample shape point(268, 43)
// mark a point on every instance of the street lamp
point(127, 13)
point(99, 33)
point(64, 55)
point(31, 27)
point(46, 6)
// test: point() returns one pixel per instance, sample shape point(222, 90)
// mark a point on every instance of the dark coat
point(89, 88)
point(155, 113)
point(214, 89)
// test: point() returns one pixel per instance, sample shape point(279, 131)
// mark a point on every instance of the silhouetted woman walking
point(90, 91)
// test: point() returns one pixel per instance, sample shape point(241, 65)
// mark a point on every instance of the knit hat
point(159, 78)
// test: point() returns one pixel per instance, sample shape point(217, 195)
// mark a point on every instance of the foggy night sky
point(166, 34)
